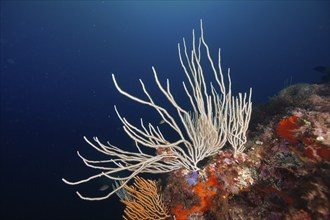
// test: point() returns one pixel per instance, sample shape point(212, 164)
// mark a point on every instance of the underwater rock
point(284, 173)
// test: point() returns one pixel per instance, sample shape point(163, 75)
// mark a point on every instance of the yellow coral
point(145, 201)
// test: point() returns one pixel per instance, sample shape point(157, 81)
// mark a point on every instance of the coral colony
point(284, 173)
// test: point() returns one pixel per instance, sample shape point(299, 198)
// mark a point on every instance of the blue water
point(56, 63)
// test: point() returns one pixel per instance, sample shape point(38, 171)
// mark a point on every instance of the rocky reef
point(283, 174)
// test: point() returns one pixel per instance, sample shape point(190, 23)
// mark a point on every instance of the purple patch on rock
point(191, 178)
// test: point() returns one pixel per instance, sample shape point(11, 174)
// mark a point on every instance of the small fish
point(104, 187)
point(326, 73)
point(162, 121)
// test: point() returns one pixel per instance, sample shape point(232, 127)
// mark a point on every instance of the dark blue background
point(56, 63)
